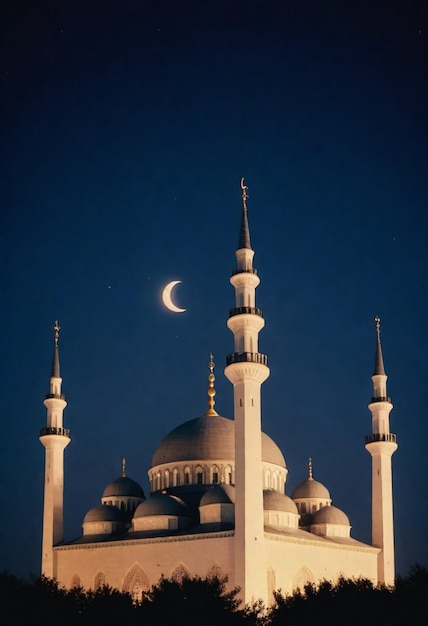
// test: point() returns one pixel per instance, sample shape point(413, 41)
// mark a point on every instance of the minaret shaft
point(55, 438)
point(381, 445)
point(247, 369)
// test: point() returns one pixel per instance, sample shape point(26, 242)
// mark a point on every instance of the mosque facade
point(217, 502)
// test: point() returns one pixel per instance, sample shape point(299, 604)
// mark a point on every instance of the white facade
point(217, 499)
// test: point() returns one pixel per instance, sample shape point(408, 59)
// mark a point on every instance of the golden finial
point(244, 193)
point(377, 322)
point(211, 390)
point(123, 467)
point(57, 328)
point(310, 469)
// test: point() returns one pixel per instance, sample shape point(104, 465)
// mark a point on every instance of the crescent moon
point(167, 297)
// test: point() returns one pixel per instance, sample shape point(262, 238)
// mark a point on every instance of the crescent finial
point(244, 193)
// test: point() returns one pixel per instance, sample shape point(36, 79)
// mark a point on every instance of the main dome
point(208, 437)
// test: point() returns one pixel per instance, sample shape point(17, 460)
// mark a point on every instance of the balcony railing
point(381, 437)
point(51, 430)
point(252, 310)
point(381, 399)
point(246, 357)
point(241, 271)
point(55, 395)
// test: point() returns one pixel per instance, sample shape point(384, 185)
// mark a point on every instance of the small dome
point(104, 513)
point(330, 515)
point(162, 504)
point(220, 494)
point(123, 486)
point(276, 501)
point(208, 437)
point(311, 488)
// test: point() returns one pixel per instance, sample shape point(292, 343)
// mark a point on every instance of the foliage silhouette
point(208, 602)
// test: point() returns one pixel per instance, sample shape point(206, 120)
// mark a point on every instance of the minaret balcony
point(247, 357)
point(251, 310)
point(381, 437)
point(55, 395)
point(51, 430)
point(251, 270)
point(381, 399)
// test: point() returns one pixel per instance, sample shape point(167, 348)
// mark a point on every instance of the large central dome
point(210, 437)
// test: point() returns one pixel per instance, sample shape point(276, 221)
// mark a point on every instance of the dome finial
point(211, 390)
point(57, 328)
point(123, 467)
point(310, 477)
point(244, 194)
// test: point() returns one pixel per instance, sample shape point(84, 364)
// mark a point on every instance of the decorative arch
point(75, 581)
point(302, 577)
point(214, 474)
point(175, 477)
point(100, 580)
point(180, 573)
point(136, 582)
point(271, 583)
point(199, 474)
point(228, 475)
point(215, 571)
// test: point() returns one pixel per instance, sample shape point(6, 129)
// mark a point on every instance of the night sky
point(126, 128)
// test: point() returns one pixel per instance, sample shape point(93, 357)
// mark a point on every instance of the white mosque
point(217, 502)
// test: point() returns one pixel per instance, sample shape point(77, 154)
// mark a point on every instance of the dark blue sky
point(126, 127)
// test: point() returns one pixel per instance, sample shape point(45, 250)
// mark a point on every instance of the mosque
point(217, 501)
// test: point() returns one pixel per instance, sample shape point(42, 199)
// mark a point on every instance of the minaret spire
point(381, 445)
point(55, 438)
point(247, 369)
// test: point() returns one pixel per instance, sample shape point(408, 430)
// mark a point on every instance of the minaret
point(54, 438)
point(382, 444)
point(247, 369)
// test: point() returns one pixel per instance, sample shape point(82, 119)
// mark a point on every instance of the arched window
point(215, 571)
point(136, 582)
point(215, 474)
point(271, 583)
point(228, 475)
point(100, 580)
point(199, 476)
point(174, 477)
point(302, 577)
point(187, 475)
point(75, 581)
point(179, 573)
point(166, 479)
point(158, 481)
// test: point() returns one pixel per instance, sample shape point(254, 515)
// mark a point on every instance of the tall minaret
point(247, 369)
point(382, 444)
point(54, 438)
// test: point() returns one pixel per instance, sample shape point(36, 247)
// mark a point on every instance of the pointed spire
point(55, 360)
point(211, 390)
point(310, 477)
point(379, 368)
point(123, 467)
point(244, 235)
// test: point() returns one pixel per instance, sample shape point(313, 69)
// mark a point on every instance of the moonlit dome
point(210, 437)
